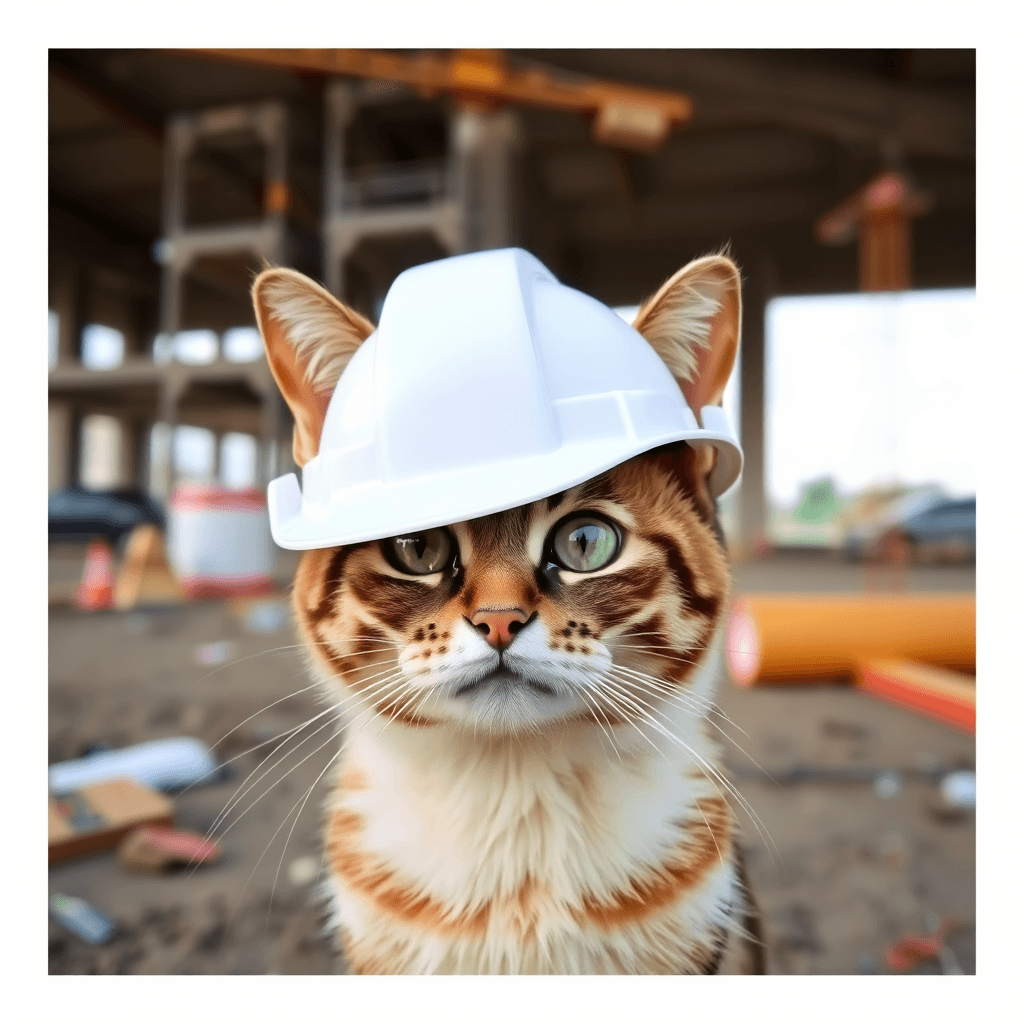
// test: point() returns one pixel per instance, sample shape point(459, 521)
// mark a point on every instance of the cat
point(566, 815)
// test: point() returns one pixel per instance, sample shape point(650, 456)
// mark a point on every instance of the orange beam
point(625, 115)
point(886, 191)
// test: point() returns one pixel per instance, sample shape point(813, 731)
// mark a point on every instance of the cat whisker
point(341, 749)
point(238, 797)
point(695, 700)
point(713, 777)
point(706, 767)
point(720, 648)
point(334, 707)
point(598, 711)
point(671, 696)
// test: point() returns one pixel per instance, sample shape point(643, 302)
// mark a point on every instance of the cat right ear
point(310, 338)
point(693, 323)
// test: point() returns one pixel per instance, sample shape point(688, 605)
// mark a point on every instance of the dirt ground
point(850, 866)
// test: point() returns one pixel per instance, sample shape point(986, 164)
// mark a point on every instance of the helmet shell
point(487, 385)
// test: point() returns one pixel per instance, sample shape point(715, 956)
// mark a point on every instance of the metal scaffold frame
point(464, 200)
point(182, 245)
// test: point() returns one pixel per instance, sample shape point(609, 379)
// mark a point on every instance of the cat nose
point(499, 625)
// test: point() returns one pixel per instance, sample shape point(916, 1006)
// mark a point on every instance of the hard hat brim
point(382, 509)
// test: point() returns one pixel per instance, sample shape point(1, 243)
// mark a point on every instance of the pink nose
point(499, 625)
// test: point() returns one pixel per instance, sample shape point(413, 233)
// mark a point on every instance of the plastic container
point(161, 764)
point(82, 919)
point(218, 541)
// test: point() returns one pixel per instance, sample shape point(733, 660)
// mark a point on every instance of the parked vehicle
point(945, 531)
point(864, 534)
point(77, 514)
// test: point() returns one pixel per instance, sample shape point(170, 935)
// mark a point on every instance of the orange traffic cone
point(97, 588)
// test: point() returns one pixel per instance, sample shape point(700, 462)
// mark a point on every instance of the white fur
point(478, 822)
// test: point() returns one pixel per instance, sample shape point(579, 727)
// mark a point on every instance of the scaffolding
point(372, 215)
point(463, 200)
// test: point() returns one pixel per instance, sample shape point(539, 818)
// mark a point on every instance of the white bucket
point(218, 541)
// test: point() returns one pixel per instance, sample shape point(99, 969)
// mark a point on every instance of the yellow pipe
point(817, 637)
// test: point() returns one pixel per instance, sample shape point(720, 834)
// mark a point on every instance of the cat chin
point(502, 704)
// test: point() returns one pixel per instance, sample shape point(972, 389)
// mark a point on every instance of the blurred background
point(843, 182)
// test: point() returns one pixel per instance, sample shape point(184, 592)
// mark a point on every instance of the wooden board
point(99, 816)
point(947, 697)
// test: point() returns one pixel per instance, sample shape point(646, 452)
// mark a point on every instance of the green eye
point(419, 554)
point(585, 543)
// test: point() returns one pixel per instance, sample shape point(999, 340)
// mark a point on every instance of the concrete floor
point(841, 868)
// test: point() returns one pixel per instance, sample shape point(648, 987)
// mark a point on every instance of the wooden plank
point(947, 697)
point(99, 816)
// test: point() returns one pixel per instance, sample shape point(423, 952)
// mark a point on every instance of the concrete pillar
point(59, 463)
point(143, 433)
point(74, 454)
point(163, 473)
point(133, 469)
point(483, 145)
point(218, 462)
point(340, 105)
point(758, 288)
point(127, 452)
point(268, 455)
point(67, 299)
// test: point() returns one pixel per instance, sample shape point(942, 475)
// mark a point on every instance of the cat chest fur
point(548, 859)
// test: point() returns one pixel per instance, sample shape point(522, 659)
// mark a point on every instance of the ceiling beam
point(624, 115)
point(753, 87)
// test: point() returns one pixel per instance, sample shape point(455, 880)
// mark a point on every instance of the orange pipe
point(816, 637)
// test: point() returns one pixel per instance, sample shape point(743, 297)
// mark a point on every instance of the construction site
point(175, 176)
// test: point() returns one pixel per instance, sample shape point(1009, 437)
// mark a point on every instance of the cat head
point(581, 607)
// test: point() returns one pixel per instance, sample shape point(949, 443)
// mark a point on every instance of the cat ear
point(310, 338)
point(693, 323)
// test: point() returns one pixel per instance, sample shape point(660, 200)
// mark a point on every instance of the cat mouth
point(502, 679)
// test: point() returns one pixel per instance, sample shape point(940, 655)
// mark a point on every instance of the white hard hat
point(487, 385)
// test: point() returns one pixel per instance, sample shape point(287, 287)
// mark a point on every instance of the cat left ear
point(693, 323)
point(310, 338)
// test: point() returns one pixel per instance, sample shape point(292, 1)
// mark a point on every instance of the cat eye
point(420, 554)
point(583, 543)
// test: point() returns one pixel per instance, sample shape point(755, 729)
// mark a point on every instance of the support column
point(127, 453)
point(215, 470)
point(483, 146)
point(758, 288)
point(267, 443)
point(341, 108)
point(59, 464)
point(69, 303)
point(74, 453)
point(163, 468)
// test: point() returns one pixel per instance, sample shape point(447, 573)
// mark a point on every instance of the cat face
point(589, 606)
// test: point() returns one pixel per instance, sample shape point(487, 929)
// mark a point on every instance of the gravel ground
point(847, 868)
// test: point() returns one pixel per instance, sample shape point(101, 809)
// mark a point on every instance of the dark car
point(77, 514)
point(945, 530)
